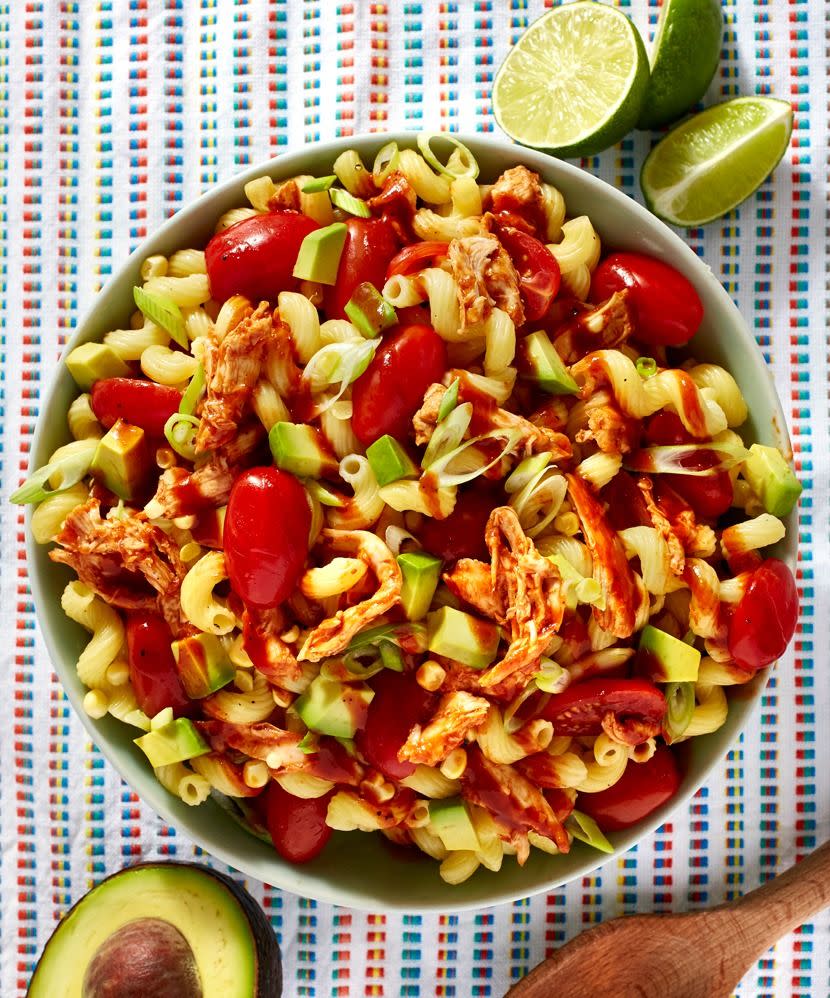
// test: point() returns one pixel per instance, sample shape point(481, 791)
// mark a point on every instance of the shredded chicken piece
point(629, 730)
point(514, 802)
point(286, 197)
point(606, 326)
point(698, 540)
point(611, 430)
point(519, 193)
point(486, 278)
point(396, 203)
point(235, 369)
point(470, 581)
point(426, 418)
point(457, 714)
point(270, 655)
point(334, 634)
point(662, 524)
point(274, 746)
point(528, 588)
point(623, 597)
point(116, 556)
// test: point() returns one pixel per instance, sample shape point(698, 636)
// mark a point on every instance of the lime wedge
point(684, 58)
point(716, 159)
point(574, 82)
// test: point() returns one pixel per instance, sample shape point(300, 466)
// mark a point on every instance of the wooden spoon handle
point(782, 904)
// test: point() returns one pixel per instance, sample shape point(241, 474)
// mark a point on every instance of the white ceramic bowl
point(358, 869)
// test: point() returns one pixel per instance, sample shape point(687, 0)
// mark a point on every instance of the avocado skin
point(268, 971)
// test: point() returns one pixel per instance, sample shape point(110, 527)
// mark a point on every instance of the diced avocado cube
point(421, 573)
point(663, 658)
point(450, 820)
point(389, 461)
point(302, 450)
point(319, 256)
point(772, 479)
point(203, 664)
point(369, 312)
point(90, 362)
point(543, 365)
point(462, 637)
point(174, 742)
point(333, 708)
point(122, 460)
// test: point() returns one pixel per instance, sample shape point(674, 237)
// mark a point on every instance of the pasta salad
point(399, 507)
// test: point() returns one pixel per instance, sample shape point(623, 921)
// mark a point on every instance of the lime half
point(574, 82)
point(710, 163)
point(684, 58)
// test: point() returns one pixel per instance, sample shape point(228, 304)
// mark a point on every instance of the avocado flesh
point(772, 479)
point(451, 822)
point(202, 664)
point(319, 256)
point(232, 942)
point(302, 450)
point(420, 573)
point(389, 461)
point(545, 366)
point(462, 637)
point(91, 362)
point(177, 741)
point(122, 460)
point(664, 658)
point(333, 708)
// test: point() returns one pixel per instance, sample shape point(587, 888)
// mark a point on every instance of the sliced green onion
point(646, 367)
point(180, 431)
point(689, 637)
point(680, 701)
point(512, 719)
point(670, 459)
point(386, 162)
point(587, 830)
point(578, 588)
point(446, 478)
point(411, 637)
point(369, 312)
point(468, 163)
point(195, 390)
point(449, 401)
point(391, 656)
point(525, 472)
point(309, 743)
point(343, 362)
point(448, 434)
point(359, 669)
point(164, 312)
point(66, 471)
point(322, 494)
point(348, 202)
point(319, 184)
point(552, 678)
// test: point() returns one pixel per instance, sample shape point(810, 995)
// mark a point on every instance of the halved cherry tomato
point(710, 496)
point(641, 789)
point(153, 673)
point(538, 270)
point(297, 825)
point(415, 257)
point(256, 257)
point(667, 307)
point(764, 621)
point(399, 704)
point(266, 535)
point(141, 403)
point(370, 245)
point(580, 709)
point(388, 393)
point(461, 535)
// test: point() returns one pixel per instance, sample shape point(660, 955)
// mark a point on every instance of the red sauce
point(484, 405)
point(396, 205)
point(189, 497)
point(482, 787)
point(429, 490)
point(690, 401)
point(333, 763)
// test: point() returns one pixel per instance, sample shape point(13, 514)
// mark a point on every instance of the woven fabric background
point(113, 114)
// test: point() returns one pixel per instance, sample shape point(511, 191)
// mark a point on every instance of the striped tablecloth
point(113, 114)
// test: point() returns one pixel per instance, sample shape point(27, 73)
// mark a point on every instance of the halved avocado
point(160, 929)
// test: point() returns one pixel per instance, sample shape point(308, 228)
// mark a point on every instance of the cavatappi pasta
point(512, 541)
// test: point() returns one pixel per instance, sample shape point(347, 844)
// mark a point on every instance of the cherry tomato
point(764, 621)
point(415, 257)
point(710, 496)
point(399, 704)
point(153, 671)
point(667, 307)
point(641, 789)
point(141, 403)
point(391, 389)
point(256, 257)
point(537, 268)
point(370, 245)
point(461, 535)
point(297, 826)
point(580, 709)
point(266, 536)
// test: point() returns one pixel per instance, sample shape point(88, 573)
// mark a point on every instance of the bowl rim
point(446, 898)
